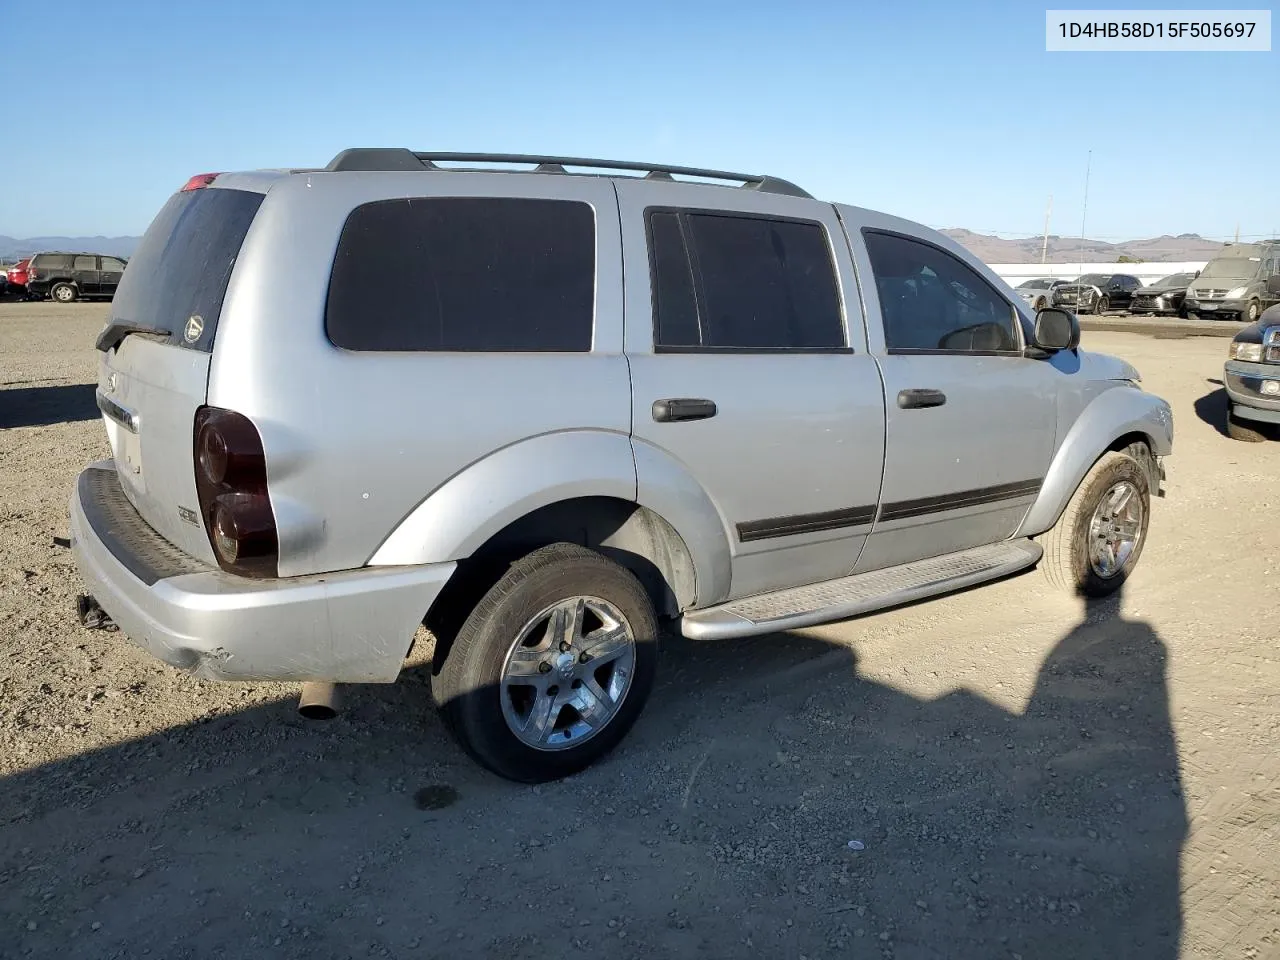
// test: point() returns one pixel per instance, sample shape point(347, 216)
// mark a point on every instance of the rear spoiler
point(115, 331)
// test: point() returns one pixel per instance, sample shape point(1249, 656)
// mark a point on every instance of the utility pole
point(1237, 231)
point(1044, 248)
point(1084, 212)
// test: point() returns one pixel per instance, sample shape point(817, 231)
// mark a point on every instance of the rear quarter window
point(464, 274)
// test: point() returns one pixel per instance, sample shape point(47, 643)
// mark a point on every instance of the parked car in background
point(73, 276)
point(1252, 374)
point(1233, 285)
point(1038, 292)
point(17, 276)
point(251, 525)
point(1164, 297)
point(1096, 292)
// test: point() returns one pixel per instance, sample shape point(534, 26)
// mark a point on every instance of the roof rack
point(400, 159)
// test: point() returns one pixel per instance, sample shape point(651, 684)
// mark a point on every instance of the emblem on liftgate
point(111, 383)
point(195, 327)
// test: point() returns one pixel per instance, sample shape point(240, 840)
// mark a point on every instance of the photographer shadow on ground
point(719, 828)
point(1055, 831)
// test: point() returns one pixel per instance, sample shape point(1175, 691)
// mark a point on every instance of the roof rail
point(400, 159)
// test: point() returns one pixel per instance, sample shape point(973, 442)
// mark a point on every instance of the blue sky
point(948, 113)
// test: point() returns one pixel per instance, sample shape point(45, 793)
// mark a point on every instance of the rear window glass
point(464, 274)
point(183, 264)
point(734, 282)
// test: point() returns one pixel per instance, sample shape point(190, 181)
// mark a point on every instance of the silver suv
point(542, 410)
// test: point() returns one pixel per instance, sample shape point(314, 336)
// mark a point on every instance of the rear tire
point(1240, 429)
point(63, 292)
point(1087, 534)
point(517, 686)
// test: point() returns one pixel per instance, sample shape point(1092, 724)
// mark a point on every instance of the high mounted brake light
point(199, 181)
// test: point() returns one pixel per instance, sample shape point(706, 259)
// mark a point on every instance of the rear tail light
point(199, 181)
point(231, 482)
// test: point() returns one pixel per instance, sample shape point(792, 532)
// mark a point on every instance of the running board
point(862, 593)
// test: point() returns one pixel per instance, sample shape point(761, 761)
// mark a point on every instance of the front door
point(109, 279)
point(84, 270)
point(750, 375)
point(971, 421)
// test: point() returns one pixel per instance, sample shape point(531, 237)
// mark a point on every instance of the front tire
point(1240, 429)
point(1098, 539)
point(63, 292)
point(552, 667)
point(1102, 306)
point(1250, 313)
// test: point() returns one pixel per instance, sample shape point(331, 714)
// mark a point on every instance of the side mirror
point(1055, 330)
point(1273, 285)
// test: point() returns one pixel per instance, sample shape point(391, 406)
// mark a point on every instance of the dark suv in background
point(73, 276)
point(1096, 292)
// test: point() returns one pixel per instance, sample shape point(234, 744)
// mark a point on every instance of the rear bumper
point(353, 626)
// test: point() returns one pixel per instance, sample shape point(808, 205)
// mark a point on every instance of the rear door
point(750, 371)
point(109, 278)
point(84, 271)
point(155, 353)
point(971, 421)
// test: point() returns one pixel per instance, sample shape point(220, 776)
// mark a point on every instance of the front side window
point(932, 302)
point(726, 281)
point(112, 264)
point(464, 274)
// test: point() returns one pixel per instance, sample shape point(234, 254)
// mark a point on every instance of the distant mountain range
point(1185, 246)
point(12, 248)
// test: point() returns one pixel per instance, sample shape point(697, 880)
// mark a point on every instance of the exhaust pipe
point(319, 701)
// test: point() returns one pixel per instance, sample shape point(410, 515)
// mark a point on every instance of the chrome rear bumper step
point(862, 593)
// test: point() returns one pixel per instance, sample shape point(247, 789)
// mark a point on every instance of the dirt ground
point(1027, 777)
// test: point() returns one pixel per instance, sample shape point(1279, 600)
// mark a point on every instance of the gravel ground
point(1027, 777)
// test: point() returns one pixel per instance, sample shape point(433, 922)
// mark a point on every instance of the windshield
point(1092, 279)
point(1034, 285)
point(1234, 269)
point(1175, 282)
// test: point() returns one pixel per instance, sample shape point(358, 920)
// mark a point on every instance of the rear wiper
point(117, 330)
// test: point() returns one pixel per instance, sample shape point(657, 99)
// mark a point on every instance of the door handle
point(918, 399)
point(677, 409)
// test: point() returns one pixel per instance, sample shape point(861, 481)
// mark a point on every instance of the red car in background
point(18, 275)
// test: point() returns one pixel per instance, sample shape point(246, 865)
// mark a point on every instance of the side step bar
point(863, 593)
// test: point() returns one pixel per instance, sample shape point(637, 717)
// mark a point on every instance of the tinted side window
point(931, 301)
point(53, 261)
point(111, 263)
point(85, 263)
point(467, 274)
point(726, 281)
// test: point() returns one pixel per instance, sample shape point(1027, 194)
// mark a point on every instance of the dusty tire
point(1102, 306)
point(1250, 313)
point(495, 665)
point(1068, 562)
point(1240, 429)
point(63, 293)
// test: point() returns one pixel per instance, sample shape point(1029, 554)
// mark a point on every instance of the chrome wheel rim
point(64, 294)
point(1115, 530)
point(568, 672)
